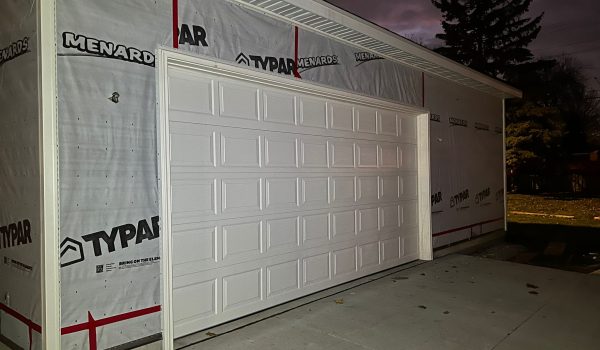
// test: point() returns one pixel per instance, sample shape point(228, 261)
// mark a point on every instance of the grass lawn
point(583, 209)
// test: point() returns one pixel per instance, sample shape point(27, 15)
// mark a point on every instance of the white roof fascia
point(331, 21)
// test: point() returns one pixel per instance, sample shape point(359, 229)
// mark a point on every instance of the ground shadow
point(573, 248)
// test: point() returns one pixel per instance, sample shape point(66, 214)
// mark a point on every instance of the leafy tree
point(558, 116)
point(490, 36)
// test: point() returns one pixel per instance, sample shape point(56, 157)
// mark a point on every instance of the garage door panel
point(191, 93)
point(281, 193)
point(368, 220)
point(281, 151)
point(283, 278)
point(277, 193)
point(408, 156)
point(314, 192)
point(314, 152)
point(315, 228)
point(283, 233)
point(237, 100)
point(343, 190)
point(313, 112)
point(240, 149)
point(366, 120)
point(389, 188)
point(366, 155)
point(192, 146)
point(242, 289)
point(344, 261)
point(317, 268)
point(387, 123)
point(368, 255)
point(343, 224)
point(408, 186)
point(341, 116)
point(367, 189)
point(244, 239)
point(279, 108)
point(204, 296)
point(193, 198)
point(241, 196)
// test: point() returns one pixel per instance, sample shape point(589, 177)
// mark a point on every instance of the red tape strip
point(32, 326)
point(175, 24)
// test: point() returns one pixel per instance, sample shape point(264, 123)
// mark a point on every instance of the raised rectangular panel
point(314, 153)
point(410, 244)
point(344, 261)
point(368, 254)
point(366, 155)
point(203, 295)
point(197, 197)
point(280, 152)
point(342, 154)
point(315, 227)
point(194, 245)
point(241, 195)
point(409, 186)
point(408, 157)
point(315, 191)
point(279, 107)
point(408, 127)
point(389, 155)
point(343, 223)
point(282, 232)
point(313, 113)
point(316, 269)
point(282, 278)
point(238, 101)
point(241, 289)
point(341, 117)
point(242, 239)
point(410, 213)
point(368, 220)
point(239, 150)
point(389, 189)
point(193, 150)
point(389, 217)
point(387, 123)
point(367, 188)
point(342, 190)
point(366, 120)
point(191, 94)
point(390, 250)
point(282, 193)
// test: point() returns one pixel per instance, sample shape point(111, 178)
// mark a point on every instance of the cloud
point(568, 27)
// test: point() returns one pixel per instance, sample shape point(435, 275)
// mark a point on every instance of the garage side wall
point(467, 187)
point(20, 253)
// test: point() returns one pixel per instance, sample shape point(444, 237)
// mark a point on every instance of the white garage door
point(279, 189)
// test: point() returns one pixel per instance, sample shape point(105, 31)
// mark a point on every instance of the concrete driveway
point(455, 302)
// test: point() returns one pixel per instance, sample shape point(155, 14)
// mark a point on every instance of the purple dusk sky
point(569, 27)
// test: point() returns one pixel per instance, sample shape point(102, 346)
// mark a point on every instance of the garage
point(277, 189)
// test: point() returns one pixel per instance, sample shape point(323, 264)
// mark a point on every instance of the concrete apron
point(454, 302)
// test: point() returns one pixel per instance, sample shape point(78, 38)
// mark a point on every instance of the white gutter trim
point(348, 20)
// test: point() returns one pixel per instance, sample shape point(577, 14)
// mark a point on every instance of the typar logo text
point(194, 36)
point(15, 234)
point(286, 65)
point(14, 50)
point(106, 49)
point(120, 237)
